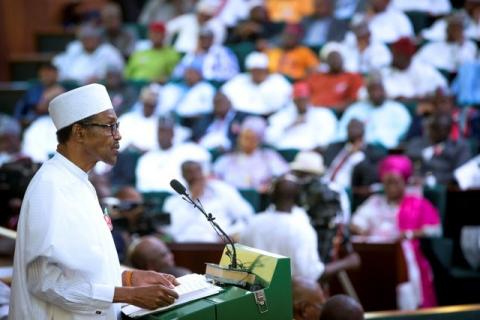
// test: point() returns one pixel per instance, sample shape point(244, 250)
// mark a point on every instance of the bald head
point(342, 307)
point(151, 253)
point(308, 298)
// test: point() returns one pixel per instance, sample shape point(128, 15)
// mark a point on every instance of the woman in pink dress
point(398, 215)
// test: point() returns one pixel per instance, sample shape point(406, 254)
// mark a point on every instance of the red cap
point(404, 45)
point(301, 90)
point(157, 26)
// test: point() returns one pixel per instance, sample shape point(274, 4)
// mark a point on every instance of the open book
point(192, 287)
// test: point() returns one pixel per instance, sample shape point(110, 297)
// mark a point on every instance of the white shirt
point(317, 129)
point(142, 132)
point(187, 101)
point(156, 168)
point(40, 139)
point(77, 64)
point(468, 174)
point(418, 80)
point(447, 56)
point(186, 28)
point(219, 63)
point(385, 124)
point(389, 26)
point(288, 234)
point(438, 31)
point(65, 265)
point(434, 7)
point(374, 57)
point(230, 209)
point(267, 97)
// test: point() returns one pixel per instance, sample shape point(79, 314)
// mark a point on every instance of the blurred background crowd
point(349, 113)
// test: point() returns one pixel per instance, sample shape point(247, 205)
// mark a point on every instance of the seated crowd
point(297, 106)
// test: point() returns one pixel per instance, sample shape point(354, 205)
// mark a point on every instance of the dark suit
point(442, 165)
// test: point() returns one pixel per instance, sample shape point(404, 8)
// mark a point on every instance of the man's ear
point(78, 132)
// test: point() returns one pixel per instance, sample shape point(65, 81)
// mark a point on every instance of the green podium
point(273, 302)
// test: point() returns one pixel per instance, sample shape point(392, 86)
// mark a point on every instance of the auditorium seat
point(24, 67)
point(10, 93)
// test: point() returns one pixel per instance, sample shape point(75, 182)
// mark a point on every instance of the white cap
point(256, 60)
point(78, 104)
point(332, 47)
point(308, 161)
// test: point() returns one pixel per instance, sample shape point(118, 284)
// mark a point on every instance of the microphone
point(181, 190)
point(178, 187)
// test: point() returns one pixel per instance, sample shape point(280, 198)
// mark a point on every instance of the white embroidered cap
point(78, 104)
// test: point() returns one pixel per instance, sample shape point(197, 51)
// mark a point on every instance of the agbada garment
point(65, 265)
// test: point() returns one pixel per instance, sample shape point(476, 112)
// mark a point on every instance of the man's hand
point(152, 297)
point(146, 278)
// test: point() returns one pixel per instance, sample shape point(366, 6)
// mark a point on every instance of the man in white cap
point(66, 265)
point(257, 91)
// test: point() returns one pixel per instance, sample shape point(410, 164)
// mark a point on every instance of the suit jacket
point(441, 165)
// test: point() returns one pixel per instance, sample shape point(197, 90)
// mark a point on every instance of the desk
point(383, 267)
point(194, 255)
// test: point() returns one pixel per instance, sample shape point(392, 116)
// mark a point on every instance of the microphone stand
point(210, 218)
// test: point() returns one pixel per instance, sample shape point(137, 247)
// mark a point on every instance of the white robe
point(65, 265)
point(288, 234)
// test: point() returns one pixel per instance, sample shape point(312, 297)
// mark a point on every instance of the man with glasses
point(66, 265)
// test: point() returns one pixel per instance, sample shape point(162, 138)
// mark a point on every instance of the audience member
point(87, 59)
point(322, 26)
point(256, 27)
point(40, 140)
point(386, 121)
point(341, 307)
point(151, 253)
point(387, 24)
point(186, 27)
point(35, 101)
point(114, 32)
point(452, 52)
point(289, 11)
point(217, 62)
point(230, 210)
point(327, 205)
point(155, 63)
point(258, 91)
point(140, 123)
point(430, 7)
point(435, 153)
point(122, 94)
point(334, 88)
point(300, 125)
point(284, 228)
point(164, 10)
point(218, 130)
point(190, 98)
point(407, 79)
point(352, 162)
point(10, 140)
point(157, 167)
point(291, 59)
point(362, 53)
point(398, 215)
point(255, 166)
point(308, 299)
point(470, 12)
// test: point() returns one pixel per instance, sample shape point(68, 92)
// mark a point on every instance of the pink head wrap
point(399, 164)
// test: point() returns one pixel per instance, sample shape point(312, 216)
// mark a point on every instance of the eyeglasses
point(113, 126)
